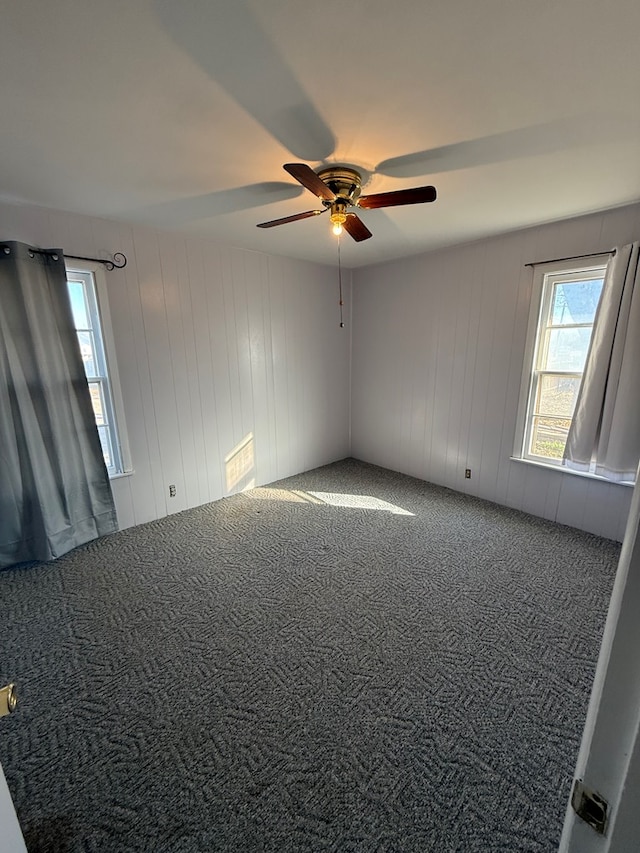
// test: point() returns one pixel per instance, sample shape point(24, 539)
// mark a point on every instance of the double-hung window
point(565, 301)
point(94, 339)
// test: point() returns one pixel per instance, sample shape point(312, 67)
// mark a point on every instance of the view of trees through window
point(569, 305)
point(84, 306)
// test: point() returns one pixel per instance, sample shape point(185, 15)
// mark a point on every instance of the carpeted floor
point(348, 660)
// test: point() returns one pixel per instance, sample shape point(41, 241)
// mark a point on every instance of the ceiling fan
point(339, 189)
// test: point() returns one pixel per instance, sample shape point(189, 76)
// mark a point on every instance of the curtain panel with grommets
point(54, 487)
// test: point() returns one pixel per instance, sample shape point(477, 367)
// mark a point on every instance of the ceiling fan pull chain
point(340, 285)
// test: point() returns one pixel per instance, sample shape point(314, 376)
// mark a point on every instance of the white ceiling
point(180, 113)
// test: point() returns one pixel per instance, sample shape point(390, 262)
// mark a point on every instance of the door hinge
point(590, 806)
point(8, 699)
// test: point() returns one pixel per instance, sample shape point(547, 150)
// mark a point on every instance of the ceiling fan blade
point(307, 177)
point(306, 215)
point(355, 227)
point(417, 195)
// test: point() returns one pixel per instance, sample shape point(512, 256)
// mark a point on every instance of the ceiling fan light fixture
point(338, 216)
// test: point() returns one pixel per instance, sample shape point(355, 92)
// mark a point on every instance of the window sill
point(569, 471)
point(122, 474)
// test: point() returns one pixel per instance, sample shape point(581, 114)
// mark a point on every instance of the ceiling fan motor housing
point(345, 183)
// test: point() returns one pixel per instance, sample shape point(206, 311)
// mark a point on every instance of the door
point(609, 759)
point(11, 840)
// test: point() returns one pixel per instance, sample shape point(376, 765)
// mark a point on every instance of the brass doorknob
point(8, 699)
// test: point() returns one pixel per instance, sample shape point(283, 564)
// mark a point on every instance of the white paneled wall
point(438, 344)
point(214, 345)
point(217, 344)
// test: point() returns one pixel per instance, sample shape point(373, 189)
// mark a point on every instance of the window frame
point(94, 279)
point(539, 310)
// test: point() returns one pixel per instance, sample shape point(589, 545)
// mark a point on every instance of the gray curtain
point(54, 487)
point(606, 421)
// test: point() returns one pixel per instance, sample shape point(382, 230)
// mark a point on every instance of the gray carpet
point(275, 672)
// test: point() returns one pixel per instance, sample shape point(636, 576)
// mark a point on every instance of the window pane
point(568, 306)
point(87, 349)
point(105, 441)
point(549, 436)
point(557, 395)
point(83, 298)
point(78, 304)
point(575, 301)
point(567, 349)
point(97, 400)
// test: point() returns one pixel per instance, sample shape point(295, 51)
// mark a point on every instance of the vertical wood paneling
point(279, 364)
point(172, 256)
point(619, 226)
point(621, 512)
point(134, 374)
point(572, 501)
point(419, 383)
point(218, 351)
point(553, 489)
point(599, 497)
point(235, 391)
point(292, 306)
point(438, 344)
point(108, 235)
point(312, 417)
point(60, 233)
point(444, 361)
point(432, 299)
point(257, 360)
point(212, 343)
point(371, 412)
point(269, 465)
point(485, 281)
point(508, 255)
point(467, 313)
point(243, 344)
point(534, 496)
point(164, 419)
point(204, 412)
point(28, 224)
point(405, 379)
point(191, 417)
point(514, 345)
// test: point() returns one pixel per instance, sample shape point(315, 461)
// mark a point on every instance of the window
point(563, 312)
point(101, 373)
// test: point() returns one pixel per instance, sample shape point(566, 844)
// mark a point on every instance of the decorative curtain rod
point(113, 264)
point(572, 258)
